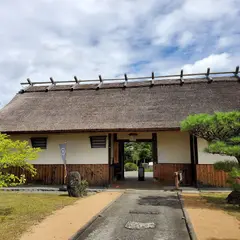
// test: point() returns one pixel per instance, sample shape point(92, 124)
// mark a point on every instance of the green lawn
point(218, 200)
point(18, 211)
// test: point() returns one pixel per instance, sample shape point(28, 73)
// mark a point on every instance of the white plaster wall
point(79, 149)
point(140, 135)
point(173, 147)
point(208, 158)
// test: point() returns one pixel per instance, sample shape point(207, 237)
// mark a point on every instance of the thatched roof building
point(139, 106)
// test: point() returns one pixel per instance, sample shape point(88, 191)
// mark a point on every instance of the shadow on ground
point(167, 201)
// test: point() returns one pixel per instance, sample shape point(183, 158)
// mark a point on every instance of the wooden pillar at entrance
point(154, 153)
point(194, 157)
point(121, 158)
point(154, 148)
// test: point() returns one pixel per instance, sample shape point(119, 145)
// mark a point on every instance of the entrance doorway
point(129, 157)
point(137, 154)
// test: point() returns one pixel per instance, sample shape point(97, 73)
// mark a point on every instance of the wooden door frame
point(121, 149)
point(194, 157)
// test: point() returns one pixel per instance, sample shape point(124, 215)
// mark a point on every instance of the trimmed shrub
point(226, 165)
point(130, 166)
point(83, 188)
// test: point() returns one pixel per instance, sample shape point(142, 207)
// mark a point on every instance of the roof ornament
point(181, 78)
point(126, 81)
point(50, 86)
point(29, 81)
point(236, 73)
point(30, 85)
point(101, 82)
point(153, 79)
point(76, 83)
point(210, 79)
point(152, 82)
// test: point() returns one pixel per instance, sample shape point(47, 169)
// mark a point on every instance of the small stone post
point(176, 180)
point(73, 183)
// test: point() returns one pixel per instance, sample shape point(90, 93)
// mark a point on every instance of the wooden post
point(236, 73)
point(208, 77)
point(181, 78)
point(126, 80)
point(109, 157)
point(152, 82)
point(176, 180)
point(154, 148)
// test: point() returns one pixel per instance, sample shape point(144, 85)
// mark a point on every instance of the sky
point(63, 38)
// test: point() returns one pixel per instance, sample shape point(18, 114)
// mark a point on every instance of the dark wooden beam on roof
point(76, 84)
point(236, 73)
point(101, 82)
point(181, 78)
point(99, 85)
point(76, 80)
point(30, 84)
point(50, 86)
point(126, 80)
point(29, 81)
point(208, 77)
point(152, 82)
point(52, 81)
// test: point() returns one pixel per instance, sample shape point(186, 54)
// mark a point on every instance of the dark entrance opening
point(137, 154)
point(131, 157)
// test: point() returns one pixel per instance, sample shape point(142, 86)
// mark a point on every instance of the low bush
point(226, 165)
point(130, 166)
point(10, 180)
point(83, 188)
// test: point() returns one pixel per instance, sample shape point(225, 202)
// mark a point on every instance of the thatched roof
point(138, 107)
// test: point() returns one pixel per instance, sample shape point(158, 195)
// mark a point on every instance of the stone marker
point(73, 183)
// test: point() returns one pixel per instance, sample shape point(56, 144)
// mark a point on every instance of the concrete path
point(162, 211)
point(134, 174)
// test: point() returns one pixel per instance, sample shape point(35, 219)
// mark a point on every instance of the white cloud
point(63, 38)
point(185, 39)
point(228, 41)
point(218, 62)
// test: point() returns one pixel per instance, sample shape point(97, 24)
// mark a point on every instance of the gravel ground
point(140, 215)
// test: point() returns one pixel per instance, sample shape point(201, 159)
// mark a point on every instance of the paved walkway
point(162, 211)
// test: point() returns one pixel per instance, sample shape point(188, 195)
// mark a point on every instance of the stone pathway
point(140, 214)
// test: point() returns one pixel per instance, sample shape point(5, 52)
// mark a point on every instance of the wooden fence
point(164, 172)
point(209, 177)
point(95, 174)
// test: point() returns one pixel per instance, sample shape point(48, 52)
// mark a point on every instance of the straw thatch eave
point(138, 107)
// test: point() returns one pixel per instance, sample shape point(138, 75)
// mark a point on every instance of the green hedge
point(130, 166)
point(226, 165)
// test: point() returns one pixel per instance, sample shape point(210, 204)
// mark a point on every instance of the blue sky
point(63, 38)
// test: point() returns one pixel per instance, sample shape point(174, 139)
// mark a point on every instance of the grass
point(148, 170)
point(18, 211)
point(218, 200)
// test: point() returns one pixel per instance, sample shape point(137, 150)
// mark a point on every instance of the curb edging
point(92, 220)
point(188, 222)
